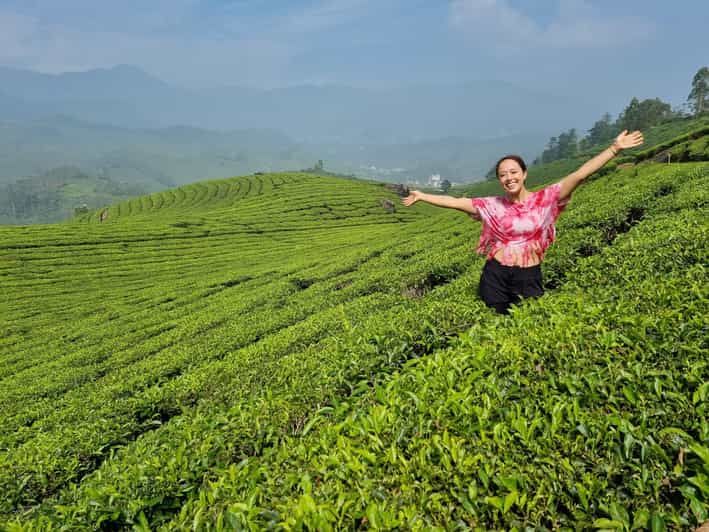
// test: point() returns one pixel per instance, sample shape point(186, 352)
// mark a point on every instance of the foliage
point(700, 91)
point(561, 147)
point(602, 132)
point(279, 352)
point(691, 146)
point(686, 136)
point(640, 115)
point(57, 194)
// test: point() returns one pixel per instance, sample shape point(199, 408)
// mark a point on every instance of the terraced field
point(286, 351)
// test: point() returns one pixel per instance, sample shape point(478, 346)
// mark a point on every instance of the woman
point(519, 226)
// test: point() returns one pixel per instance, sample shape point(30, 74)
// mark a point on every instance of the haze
point(390, 89)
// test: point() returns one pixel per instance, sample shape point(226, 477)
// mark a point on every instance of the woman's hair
point(515, 158)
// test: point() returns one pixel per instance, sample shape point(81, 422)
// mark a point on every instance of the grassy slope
point(587, 409)
point(171, 370)
point(140, 314)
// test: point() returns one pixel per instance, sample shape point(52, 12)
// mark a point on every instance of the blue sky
point(602, 50)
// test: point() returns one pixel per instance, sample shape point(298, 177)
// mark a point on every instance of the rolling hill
point(290, 351)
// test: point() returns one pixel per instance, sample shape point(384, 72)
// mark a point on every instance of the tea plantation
point(290, 352)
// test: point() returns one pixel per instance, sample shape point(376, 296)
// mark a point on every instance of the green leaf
point(495, 501)
point(583, 495)
point(510, 499)
point(373, 516)
point(701, 393)
point(702, 482)
point(640, 519)
point(472, 491)
point(607, 524)
point(309, 425)
point(619, 513)
point(701, 451)
point(628, 442)
point(657, 523)
point(630, 395)
point(677, 433)
point(467, 505)
point(699, 509)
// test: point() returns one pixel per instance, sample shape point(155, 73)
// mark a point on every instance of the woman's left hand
point(628, 140)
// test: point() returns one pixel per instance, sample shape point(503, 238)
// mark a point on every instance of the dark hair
point(515, 158)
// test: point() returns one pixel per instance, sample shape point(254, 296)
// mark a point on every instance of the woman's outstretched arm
point(622, 142)
point(448, 202)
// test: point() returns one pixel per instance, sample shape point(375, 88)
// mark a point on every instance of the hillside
point(289, 351)
point(59, 194)
point(687, 136)
point(152, 158)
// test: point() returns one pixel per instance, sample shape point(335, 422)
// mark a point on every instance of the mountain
point(153, 158)
point(129, 97)
point(128, 124)
point(121, 96)
point(117, 83)
point(165, 157)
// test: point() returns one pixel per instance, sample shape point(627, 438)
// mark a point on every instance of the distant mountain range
point(139, 127)
point(129, 97)
point(152, 158)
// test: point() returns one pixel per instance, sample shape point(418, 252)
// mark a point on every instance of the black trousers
point(503, 286)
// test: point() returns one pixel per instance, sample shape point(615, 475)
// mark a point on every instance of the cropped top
point(522, 230)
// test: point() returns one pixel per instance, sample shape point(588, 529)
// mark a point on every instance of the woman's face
point(511, 176)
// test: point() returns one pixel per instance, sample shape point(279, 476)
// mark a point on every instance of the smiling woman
point(519, 226)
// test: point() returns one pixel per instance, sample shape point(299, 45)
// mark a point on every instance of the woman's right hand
point(412, 198)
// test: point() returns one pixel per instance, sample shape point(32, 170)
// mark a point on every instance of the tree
point(602, 131)
point(568, 144)
point(630, 116)
point(565, 145)
point(700, 91)
point(445, 186)
point(551, 153)
point(644, 114)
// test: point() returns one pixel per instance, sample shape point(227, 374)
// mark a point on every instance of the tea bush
point(280, 352)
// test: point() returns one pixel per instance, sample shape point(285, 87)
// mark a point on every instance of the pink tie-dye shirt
point(524, 230)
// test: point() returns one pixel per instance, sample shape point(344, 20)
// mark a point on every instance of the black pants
point(502, 286)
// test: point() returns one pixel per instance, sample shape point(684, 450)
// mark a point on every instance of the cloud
point(188, 42)
point(577, 25)
point(254, 42)
point(176, 46)
point(329, 14)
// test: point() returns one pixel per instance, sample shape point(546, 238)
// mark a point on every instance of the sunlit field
point(291, 351)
